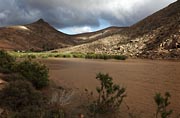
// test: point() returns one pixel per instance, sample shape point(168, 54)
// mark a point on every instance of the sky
point(78, 16)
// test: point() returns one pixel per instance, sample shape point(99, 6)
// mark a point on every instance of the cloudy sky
point(76, 16)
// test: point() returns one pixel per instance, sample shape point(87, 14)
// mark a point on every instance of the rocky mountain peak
point(41, 20)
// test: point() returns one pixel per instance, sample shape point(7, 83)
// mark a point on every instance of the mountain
point(157, 36)
point(37, 36)
point(40, 36)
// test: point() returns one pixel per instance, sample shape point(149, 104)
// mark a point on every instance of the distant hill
point(93, 36)
point(157, 36)
point(37, 36)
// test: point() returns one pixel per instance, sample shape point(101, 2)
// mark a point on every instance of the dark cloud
point(77, 13)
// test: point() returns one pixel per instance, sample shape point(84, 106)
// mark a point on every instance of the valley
point(141, 78)
point(56, 73)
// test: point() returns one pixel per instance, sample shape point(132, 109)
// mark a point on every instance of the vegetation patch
point(6, 62)
point(34, 72)
point(162, 103)
point(22, 99)
point(109, 96)
point(34, 55)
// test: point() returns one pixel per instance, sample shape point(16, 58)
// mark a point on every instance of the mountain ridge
point(157, 36)
point(37, 36)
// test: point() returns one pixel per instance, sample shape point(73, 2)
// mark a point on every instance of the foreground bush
point(110, 96)
point(162, 103)
point(6, 62)
point(22, 99)
point(34, 72)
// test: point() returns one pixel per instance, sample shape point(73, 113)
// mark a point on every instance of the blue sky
point(77, 16)
point(75, 30)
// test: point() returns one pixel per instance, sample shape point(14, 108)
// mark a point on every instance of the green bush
point(104, 56)
point(58, 55)
point(66, 56)
point(44, 56)
point(162, 103)
point(31, 56)
point(20, 95)
point(78, 55)
point(120, 57)
point(6, 62)
point(34, 72)
point(110, 96)
point(90, 56)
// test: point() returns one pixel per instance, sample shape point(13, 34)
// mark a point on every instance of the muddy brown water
point(142, 79)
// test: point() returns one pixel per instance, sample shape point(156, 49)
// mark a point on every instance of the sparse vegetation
point(162, 103)
point(78, 55)
point(104, 56)
point(68, 55)
point(22, 99)
point(6, 62)
point(33, 72)
point(110, 96)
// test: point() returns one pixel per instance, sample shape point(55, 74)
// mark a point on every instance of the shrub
point(120, 57)
point(12, 77)
point(89, 56)
point(31, 56)
point(44, 56)
point(77, 55)
point(6, 62)
point(110, 96)
point(20, 95)
point(162, 103)
point(34, 72)
point(58, 55)
point(104, 56)
point(66, 56)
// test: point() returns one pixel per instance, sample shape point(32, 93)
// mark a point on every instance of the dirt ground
point(142, 79)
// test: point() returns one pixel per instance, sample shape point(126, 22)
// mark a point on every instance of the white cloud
point(77, 30)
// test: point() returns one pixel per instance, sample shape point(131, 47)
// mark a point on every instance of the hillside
point(93, 36)
point(37, 36)
point(157, 36)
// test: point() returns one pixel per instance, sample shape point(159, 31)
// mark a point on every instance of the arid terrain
point(151, 63)
point(142, 78)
